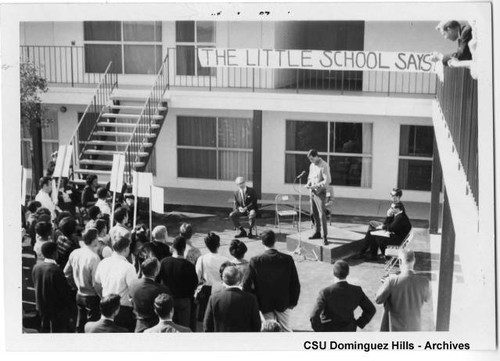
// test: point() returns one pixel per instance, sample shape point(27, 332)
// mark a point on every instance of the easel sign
point(116, 182)
point(61, 169)
point(156, 202)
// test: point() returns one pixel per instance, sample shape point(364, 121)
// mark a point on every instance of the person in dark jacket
point(275, 282)
point(231, 309)
point(52, 292)
point(89, 194)
point(143, 292)
point(454, 31)
point(245, 204)
point(179, 275)
point(334, 308)
point(395, 232)
point(110, 306)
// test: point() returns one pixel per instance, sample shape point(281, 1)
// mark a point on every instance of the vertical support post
point(37, 150)
point(257, 152)
point(71, 56)
point(297, 81)
point(446, 269)
point(437, 178)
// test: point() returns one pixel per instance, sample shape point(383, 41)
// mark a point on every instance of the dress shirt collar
point(231, 287)
point(48, 260)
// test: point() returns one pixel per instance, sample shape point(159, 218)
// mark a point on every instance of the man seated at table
point(392, 233)
point(245, 204)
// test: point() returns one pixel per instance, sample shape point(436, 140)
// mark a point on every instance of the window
point(189, 35)
point(214, 148)
point(415, 157)
point(50, 141)
point(347, 148)
point(134, 47)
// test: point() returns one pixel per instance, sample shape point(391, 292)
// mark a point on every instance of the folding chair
point(393, 253)
point(286, 206)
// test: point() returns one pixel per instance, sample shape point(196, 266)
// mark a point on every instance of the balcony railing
point(457, 96)
point(60, 64)
point(66, 65)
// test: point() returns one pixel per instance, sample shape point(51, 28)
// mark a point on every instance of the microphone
point(301, 174)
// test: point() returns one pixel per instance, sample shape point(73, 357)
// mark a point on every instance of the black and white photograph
point(324, 171)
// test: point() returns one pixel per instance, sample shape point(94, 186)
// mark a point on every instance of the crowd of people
point(92, 275)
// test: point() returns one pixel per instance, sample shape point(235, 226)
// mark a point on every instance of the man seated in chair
point(245, 204)
point(395, 232)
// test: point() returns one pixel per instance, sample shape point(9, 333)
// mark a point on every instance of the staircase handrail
point(155, 95)
point(98, 95)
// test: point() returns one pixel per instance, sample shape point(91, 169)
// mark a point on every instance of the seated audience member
point(208, 265)
point(396, 232)
point(143, 292)
point(238, 249)
point(120, 229)
point(164, 308)
point(192, 253)
point(43, 196)
point(231, 309)
point(52, 292)
point(102, 203)
point(89, 196)
point(115, 275)
point(94, 214)
point(396, 195)
point(79, 271)
point(179, 276)
point(403, 296)
point(271, 326)
point(245, 204)
point(43, 235)
point(110, 307)
point(334, 308)
point(67, 242)
point(104, 249)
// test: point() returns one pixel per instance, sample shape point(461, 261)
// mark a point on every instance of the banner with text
point(317, 59)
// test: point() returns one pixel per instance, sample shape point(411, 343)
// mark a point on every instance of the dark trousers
point(318, 211)
point(126, 318)
point(182, 311)
point(376, 242)
point(236, 214)
point(55, 323)
point(88, 310)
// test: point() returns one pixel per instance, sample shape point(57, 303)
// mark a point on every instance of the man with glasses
point(245, 204)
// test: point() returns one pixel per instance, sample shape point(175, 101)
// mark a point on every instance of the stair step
point(106, 162)
point(121, 134)
point(129, 116)
point(132, 107)
point(111, 143)
point(93, 171)
point(129, 98)
point(124, 125)
point(107, 152)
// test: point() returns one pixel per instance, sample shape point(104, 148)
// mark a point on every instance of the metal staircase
point(116, 122)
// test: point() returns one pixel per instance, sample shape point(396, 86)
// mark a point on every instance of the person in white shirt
point(120, 229)
point(114, 275)
point(318, 180)
point(102, 195)
point(208, 265)
point(43, 196)
point(80, 272)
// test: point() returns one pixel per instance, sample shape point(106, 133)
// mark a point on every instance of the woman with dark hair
point(192, 253)
point(208, 265)
point(238, 249)
point(67, 242)
point(104, 249)
point(89, 194)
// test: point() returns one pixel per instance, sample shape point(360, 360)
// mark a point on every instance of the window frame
point(122, 44)
point(412, 157)
point(196, 44)
point(216, 148)
point(329, 153)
